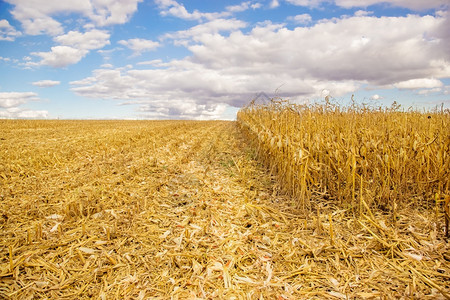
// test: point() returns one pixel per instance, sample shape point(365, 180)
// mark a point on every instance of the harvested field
point(184, 210)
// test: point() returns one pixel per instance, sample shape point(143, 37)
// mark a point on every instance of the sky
point(174, 59)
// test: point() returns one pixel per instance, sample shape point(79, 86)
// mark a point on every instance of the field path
point(181, 210)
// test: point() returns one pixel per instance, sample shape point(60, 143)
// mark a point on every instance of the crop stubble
point(175, 209)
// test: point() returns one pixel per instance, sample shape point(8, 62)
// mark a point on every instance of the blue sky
point(168, 59)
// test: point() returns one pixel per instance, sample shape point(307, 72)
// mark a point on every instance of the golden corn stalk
point(184, 210)
point(385, 156)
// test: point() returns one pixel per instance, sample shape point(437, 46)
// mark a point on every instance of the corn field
point(186, 210)
point(355, 155)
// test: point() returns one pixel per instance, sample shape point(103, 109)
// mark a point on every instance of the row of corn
point(383, 157)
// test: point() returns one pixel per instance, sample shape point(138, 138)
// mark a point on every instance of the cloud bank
point(11, 106)
point(231, 60)
point(339, 55)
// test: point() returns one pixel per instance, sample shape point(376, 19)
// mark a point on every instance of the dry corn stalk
point(386, 156)
point(447, 215)
point(180, 210)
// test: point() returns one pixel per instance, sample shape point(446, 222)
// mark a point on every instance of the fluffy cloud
point(212, 27)
point(428, 92)
point(10, 103)
point(110, 12)
point(37, 17)
point(46, 83)
point(140, 45)
point(301, 19)
point(94, 39)
point(8, 32)
point(12, 99)
point(421, 83)
point(243, 7)
point(175, 9)
point(160, 93)
point(59, 57)
point(364, 49)
point(339, 55)
point(106, 66)
point(74, 46)
point(181, 109)
point(18, 113)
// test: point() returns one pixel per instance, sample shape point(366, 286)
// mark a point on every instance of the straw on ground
point(173, 209)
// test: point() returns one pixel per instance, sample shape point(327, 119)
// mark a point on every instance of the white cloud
point(154, 62)
point(430, 91)
point(164, 4)
point(10, 105)
point(140, 45)
point(242, 7)
point(274, 4)
point(85, 81)
point(43, 25)
point(37, 17)
point(181, 109)
point(108, 84)
point(46, 83)
point(59, 57)
point(19, 113)
point(5, 58)
point(212, 27)
point(74, 46)
point(110, 12)
point(338, 55)
point(301, 19)
point(421, 83)
point(447, 91)
point(175, 9)
point(94, 39)
point(13, 99)
point(175, 92)
point(8, 32)
point(376, 97)
point(362, 13)
point(347, 49)
point(107, 54)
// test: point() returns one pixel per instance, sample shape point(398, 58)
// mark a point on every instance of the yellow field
point(184, 210)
